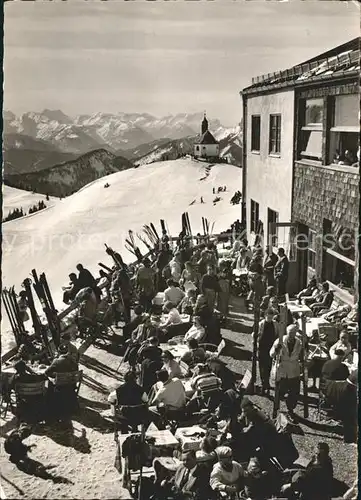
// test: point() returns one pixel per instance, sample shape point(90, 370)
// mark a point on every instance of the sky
point(161, 57)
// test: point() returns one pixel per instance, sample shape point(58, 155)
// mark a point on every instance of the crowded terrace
point(184, 425)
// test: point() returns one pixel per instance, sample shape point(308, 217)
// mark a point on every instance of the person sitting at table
point(138, 318)
point(24, 375)
point(206, 453)
point(221, 370)
point(72, 350)
point(63, 363)
point(308, 291)
point(196, 331)
point(195, 354)
point(189, 482)
point(270, 300)
point(151, 362)
point(143, 331)
point(129, 394)
point(31, 349)
point(335, 369)
point(188, 303)
point(325, 300)
point(256, 485)
point(173, 293)
point(72, 289)
point(343, 344)
point(171, 365)
point(315, 482)
point(352, 318)
point(206, 387)
point(227, 475)
point(172, 315)
point(202, 308)
point(169, 396)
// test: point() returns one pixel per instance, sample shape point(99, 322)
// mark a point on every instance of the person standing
point(288, 351)
point(269, 266)
point(268, 333)
point(145, 281)
point(281, 272)
point(210, 287)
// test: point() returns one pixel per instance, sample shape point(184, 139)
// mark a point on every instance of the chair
point(28, 397)
point(328, 334)
point(130, 415)
point(209, 347)
point(69, 379)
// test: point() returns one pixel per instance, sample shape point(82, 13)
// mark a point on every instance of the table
point(240, 272)
point(178, 350)
point(295, 307)
point(8, 371)
point(187, 387)
point(312, 325)
point(190, 438)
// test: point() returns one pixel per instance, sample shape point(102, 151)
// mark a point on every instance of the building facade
point(206, 146)
point(301, 170)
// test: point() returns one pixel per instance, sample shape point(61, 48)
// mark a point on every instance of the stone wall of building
point(330, 192)
point(325, 192)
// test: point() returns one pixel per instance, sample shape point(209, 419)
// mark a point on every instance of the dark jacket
point(62, 364)
point(281, 268)
point(334, 370)
point(86, 279)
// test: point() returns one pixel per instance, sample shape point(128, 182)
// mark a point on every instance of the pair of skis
point(206, 230)
point(117, 258)
point(40, 330)
point(132, 247)
point(42, 290)
point(186, 225)
point(14, 314)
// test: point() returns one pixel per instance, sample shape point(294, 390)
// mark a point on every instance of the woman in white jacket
point(288, 353)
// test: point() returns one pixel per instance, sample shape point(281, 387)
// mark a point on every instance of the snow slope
point(17, 198)
point(76, 228)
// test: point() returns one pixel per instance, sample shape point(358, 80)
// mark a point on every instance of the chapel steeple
point(204, 124)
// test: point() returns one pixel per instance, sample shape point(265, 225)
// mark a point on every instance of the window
point(339, 272)
point(254, 215)
point(345, 130)
point(311, 132)
point(272, 218)
point(256, 133)
point(311, 253)
point(275, 134)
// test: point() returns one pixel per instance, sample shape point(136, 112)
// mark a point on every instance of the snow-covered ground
point(75, 229)
point(17, 198)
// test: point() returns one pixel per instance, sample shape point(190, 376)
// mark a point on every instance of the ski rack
point(40, 330)
point(13, 312)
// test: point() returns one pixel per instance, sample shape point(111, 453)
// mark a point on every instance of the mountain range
point(113, 131)
point(50, 152)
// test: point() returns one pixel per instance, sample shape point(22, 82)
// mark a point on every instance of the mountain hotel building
point(301, 166)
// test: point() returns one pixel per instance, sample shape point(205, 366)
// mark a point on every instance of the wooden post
point(256, 305)
point(281, 332)
point(304, 376)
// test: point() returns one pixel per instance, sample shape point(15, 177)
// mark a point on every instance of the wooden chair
point(130, 415)
point(67, 379)
point(29, 389)
point(30, 399)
